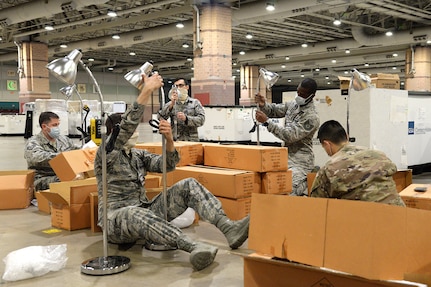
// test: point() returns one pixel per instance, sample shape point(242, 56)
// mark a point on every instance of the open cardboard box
point(16, 188)
point(417, 199)
point(67, 165)
point(371, 240)
point(70, 203)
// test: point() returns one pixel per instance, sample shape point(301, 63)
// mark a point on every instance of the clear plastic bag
point(34, 261)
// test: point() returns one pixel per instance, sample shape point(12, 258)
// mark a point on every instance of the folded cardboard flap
point(71, 192)
point(367, 239)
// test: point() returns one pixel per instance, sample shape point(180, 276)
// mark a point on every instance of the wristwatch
point(266, 124)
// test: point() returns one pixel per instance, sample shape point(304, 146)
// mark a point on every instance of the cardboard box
point(277, 182)
point(169, 177)
point(263, 271)
point(43, 203)
point(402, 178)
point(190, 152)
point(367, 239)
point(70, 203)
point(153, 181)
point(246, 157)
point(222, 182)
point(16, 188)
point(415, 199)
point(94, 212)
point(385, 81)
point(153, 192)
point(236, 209)
point(67, 165)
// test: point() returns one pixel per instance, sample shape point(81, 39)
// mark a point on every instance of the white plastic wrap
point(34, 261)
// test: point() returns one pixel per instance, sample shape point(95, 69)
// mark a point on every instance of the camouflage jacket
point(185, 130)
point(358, 173)
point(301, 122)
point(126, 172)
point(38, 151)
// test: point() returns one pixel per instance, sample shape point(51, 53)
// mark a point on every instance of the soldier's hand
point(166, 130)
point(259, 99)
point(261, 117)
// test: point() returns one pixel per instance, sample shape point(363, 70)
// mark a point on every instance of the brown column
point(418, 69)
point(213, 62)
point(249, 84)
point(34, 78)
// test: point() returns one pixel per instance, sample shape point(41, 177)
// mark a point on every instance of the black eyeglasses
point(181, 85)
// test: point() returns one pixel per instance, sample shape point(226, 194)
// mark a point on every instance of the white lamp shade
point(360, 81)
point(67, 91)
point(270, 78)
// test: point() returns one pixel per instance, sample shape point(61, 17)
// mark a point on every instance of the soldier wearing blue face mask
point(301, 123)
point(44, 146)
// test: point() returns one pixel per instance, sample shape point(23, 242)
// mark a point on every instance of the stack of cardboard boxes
point(231, 172)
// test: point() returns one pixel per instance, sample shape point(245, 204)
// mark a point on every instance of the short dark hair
point(111, 121)
point(45, 117)
point(332, 131)
point(310, 85)
point(185, 81)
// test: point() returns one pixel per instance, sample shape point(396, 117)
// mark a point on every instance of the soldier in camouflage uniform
point(301, 122)
point(353, 172)
point(41, 148)
point(185, 113)
point(131, 216)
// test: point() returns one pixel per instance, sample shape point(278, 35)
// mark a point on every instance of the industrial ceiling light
point(305, 45)
point(65, 70)
point(366, 64)
point(347, 51)
point(389, 33)
point(185, 45)
point(242, 53)
point(249, 36)
point(270, 6)
point(132, 54)
point(336, 22)
point(287, 58)
point(189, 59)
point(49, 27)
point(112, 13)
point(116, 37)
point(64, 46)
point(333, 61)
point(180, 25)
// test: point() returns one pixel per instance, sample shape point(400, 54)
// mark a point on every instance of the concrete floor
point(29, 227)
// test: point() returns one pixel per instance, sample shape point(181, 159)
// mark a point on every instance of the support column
point(212, 79)
point(418, 69)
point(33, 74)
point(249, 84)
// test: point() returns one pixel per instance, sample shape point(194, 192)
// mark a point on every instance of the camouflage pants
point(128, 224)
point(299, 182)
point(42, 182)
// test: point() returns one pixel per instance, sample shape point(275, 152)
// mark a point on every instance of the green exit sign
point(12, 85)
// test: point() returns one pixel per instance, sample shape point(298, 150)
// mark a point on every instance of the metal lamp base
point(105, 265)
point(158, 247)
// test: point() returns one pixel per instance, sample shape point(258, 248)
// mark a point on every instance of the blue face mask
point(54, 132)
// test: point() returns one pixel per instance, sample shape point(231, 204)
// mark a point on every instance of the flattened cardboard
point(222, 182)
point(16, 188)
point(261, 271)
point(246, 157)
point(67, 165)
point(236, 209)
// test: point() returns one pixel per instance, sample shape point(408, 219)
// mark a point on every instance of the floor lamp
point(359, 81)
point(65, 69)
point(135, 78)
point(270, 78)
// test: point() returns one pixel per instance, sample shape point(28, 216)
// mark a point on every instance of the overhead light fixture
point(132, 54)
point(110, 69)
point(249, 36)
point(189, 59)
point(64, 46)
point(49, 27)
point(429, 42)
point(334, 61)
point(287, 58)
point(327, 77)
point(90, 60)
point(394, 55)
point(347, 51)
point(336, 22)
point(116, 37)
point(389, 33)
point(242, 53)
point(112, 13)
point(283, 66)
point(394, 68)
point(317, 69)
point(270, 6)
point(305, 45)
point(185, 45)
point(1, 38)
point(289, 80)
point(366, 64)
point(179, 25)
